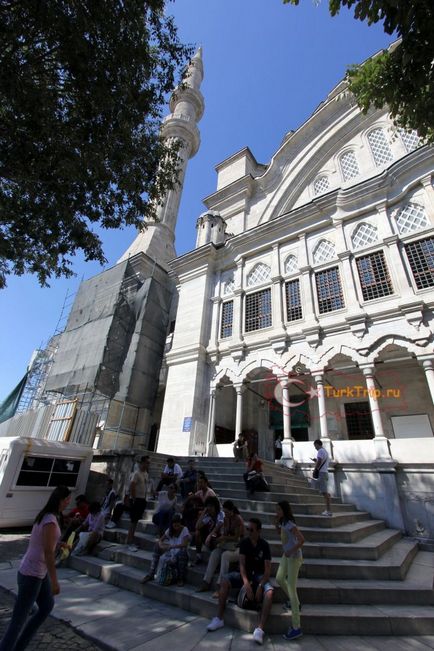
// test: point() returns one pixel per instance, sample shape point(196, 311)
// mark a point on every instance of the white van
point(31, 468)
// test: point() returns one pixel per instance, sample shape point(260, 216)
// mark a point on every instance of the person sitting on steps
point(172, 474)
point(228, 542)
point(171, 547)
point(254, 575)
point(166, 507)
point(209, 526)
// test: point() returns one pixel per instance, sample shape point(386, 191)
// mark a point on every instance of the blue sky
point(267, 67)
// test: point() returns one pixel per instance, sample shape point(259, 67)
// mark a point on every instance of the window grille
point(374, 276)
point(258, 310)
point(321, 184)
point(379, 147)
point(229, 285)
point(359, 420)
point(329, 290)
point(227, 319)
point(410, 139)
point(293, 300)
point(411, 218)
point(323, 252)
point(421, 258)
point(364, 235)
point(349, 165)
point(259, 274)
point(291, 264)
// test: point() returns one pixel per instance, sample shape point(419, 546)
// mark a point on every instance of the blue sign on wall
point(187, 424)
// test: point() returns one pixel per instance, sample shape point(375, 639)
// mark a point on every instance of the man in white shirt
point(322, 465)
point(140, 486)
point(172, 474)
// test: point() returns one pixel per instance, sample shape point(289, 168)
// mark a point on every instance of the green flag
point(9, 405)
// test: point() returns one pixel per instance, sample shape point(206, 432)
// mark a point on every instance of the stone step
point(318, 619)
point(372, 547)
point(383, 563)
point(347, 533)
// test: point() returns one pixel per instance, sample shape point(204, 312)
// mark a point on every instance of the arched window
point(410, 139)
point(229, 284)
point(321, 184)
point(349, 165)
point(291, 264)
point(259, 274)
point(379, 146)
point(323, 252)
point(364, 235)
point(411, 218)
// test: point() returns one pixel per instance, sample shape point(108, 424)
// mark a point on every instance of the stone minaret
point(187, 106)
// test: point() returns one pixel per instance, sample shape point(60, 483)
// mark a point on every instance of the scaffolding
point(33, 395)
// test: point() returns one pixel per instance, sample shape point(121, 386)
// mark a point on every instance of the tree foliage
point(83, 84)
point(401, 77)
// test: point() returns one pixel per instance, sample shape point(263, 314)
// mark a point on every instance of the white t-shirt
point(323, 455)
point(175, 470)
point(176, 540)
point(164, 502)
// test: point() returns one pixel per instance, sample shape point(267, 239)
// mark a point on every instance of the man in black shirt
point(254, 576)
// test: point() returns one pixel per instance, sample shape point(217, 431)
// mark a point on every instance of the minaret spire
point(186, 106)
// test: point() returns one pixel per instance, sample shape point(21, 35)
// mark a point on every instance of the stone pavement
point(93, 615)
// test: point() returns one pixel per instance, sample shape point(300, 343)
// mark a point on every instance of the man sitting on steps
point(254, 576)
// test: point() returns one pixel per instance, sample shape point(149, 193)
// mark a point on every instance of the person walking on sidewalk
point(253, 577)
point(321, 470)
point(141, 485)
point(289, 567)
point(37, 578)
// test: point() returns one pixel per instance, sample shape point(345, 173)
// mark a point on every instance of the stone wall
point(399, 490)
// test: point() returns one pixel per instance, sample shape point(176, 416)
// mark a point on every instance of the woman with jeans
point(37, 579)
point(292, 559)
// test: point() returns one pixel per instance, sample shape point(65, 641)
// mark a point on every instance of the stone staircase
point(358, 576)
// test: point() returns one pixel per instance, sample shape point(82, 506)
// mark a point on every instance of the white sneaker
point(327, 513)
point(258, 635)
point(215, 624)
point(110, 525)
point(133, 548)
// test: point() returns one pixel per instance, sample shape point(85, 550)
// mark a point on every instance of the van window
point(48, 471)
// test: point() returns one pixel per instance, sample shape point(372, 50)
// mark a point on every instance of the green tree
point(83, 84)
point(401, 77)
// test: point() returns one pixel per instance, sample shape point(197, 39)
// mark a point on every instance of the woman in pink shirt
point(37, 579)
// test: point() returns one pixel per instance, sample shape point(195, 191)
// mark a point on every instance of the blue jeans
point(31, 590)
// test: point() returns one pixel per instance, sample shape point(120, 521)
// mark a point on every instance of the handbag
point(251, 474)
point(315, 471)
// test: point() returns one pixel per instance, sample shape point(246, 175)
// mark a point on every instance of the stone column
point(380, 441)
point(322, 411)
point(399, 275)
point(287, 446)
point(428, 367)
point(211, 423)
point(239, 389)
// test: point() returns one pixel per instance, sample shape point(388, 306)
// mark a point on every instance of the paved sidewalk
point(117, 620)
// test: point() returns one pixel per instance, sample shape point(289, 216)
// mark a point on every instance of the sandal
point(146, 578)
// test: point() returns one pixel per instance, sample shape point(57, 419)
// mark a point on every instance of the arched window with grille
point(324, 251)
point(411, 218)
point(260, 273)
point(379, 147)
point(291, 265)
point(363, 235)
point(321, 184)
point(349, 165)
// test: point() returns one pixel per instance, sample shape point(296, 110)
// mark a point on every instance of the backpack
point(245, 603)
point(166, 573)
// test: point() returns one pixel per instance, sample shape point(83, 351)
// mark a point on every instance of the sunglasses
point(250, 529)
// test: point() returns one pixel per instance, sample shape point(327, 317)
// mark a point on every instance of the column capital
point(318, 376)
point(239, 387)
point(428, 363)
point(368, 371)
